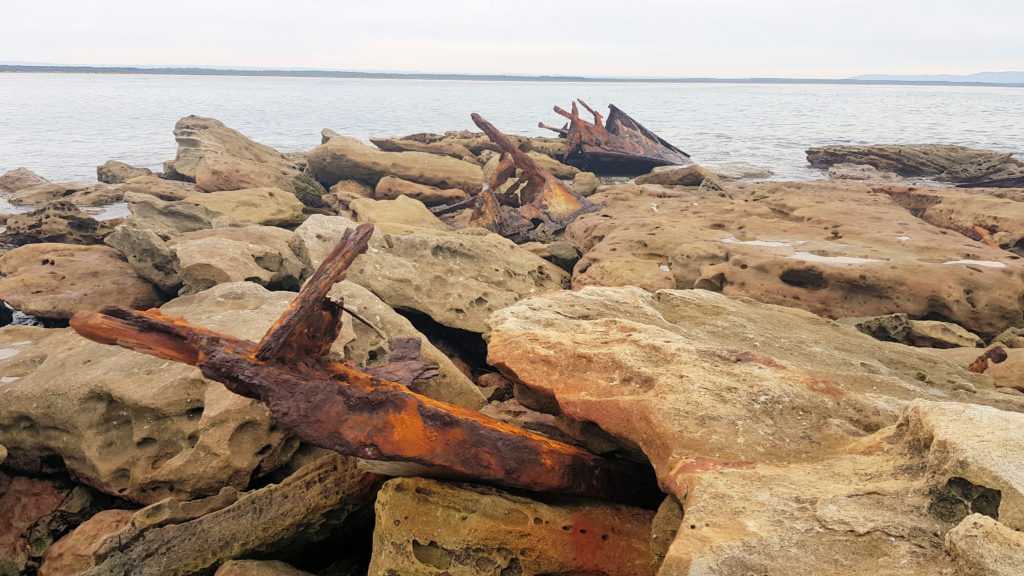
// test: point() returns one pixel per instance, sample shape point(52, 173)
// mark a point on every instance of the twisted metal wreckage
point(367, 413)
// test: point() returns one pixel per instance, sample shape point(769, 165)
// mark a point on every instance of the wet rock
point(457, 278)
point(342, 158)
point(24, 502)
point(258, 568)
point(981, 546)
point(78, 193)
point(19, 179)
point(805, 452)
point(302, 509)
point(944, 163)
point(260, 254)
point(59, 221)
point(426, 527)
point(796, 244)
point(114, 172)
point(860, 172)
point(263, 206)
point(691, 175)
point(57, 280)
point(390, 188)
point(217, 158)
point(584, 183)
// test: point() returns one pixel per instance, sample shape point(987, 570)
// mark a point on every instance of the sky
point(625, 38)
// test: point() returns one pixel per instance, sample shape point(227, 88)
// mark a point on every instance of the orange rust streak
point(825, 387)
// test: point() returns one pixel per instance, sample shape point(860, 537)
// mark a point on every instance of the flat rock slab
point(942, 162)
point(427, 528)
point(796, 445)
point(260, 254)
point(263, 206)
point(834, 249)
point(57, 280)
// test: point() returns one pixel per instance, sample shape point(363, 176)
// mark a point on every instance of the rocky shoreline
point(824, 377)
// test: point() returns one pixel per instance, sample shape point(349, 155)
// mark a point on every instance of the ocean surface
point(62, 126)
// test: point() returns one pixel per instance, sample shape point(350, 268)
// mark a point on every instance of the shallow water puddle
point(986, 263)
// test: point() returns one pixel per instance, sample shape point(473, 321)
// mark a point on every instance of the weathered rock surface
point(585, 183)
point(23, 503)
point(944, 163)
point(74, 553)
point(263, 206)
point(59, 221)
point(114, 172)
point(997, 212)
point(79, 193)
point(134, 425)
point(57, 280)
point(260, 254)
point(342, 158)
point(453, 149)
point(796, 445)
point(833, 249)
point(159, 187)
point(258, 568)
point(691, 175)
point(981, 546)
point(925, 333)
point(216, 158)
point(401, 210)
point(390, 188)
point(20, 178)
point(457, 278)
point(738, 170)
point(860, 172)
point(425, 527)
point(172, 537)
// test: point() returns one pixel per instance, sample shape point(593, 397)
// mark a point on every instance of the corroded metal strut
point(338, 406)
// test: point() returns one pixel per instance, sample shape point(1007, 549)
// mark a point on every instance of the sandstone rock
point(457, 278)
point(453, 149)
point(563, 254)
point(300, 510)
point(258, 568)
point(342, 158)
point(556, 168)
point(795, 244)
point(147, 254)
point(59, 221)
point(585, 183)
point(19, 179)
point(997, 212)
point(805, 452)
point(945, 163)
point(401, 210)
point(263, 206)
point(344, 192)
point(79, 193)
point(134, 425)
point(738, 171)
point(23, 503)
point(260, 254)
point(217, 158)
point(860, 172)
point(981, 546)
point(390, 188)
point(74, 553)
point(3, 453)
point(925, 333)
point(553, 147)
point(691, 175)
point(425, 527)
point(1011, 337)
point(160, 188)
point(114, 172)
point(1007, 374)
point(57, 280)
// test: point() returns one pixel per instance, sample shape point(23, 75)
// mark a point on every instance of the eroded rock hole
point(960, 498)
point(806, 278)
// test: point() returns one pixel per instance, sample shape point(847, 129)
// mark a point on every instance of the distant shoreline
point(191, 71)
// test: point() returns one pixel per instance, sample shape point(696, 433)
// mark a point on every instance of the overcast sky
point(718, 38)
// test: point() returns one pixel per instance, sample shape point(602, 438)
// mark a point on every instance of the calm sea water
point(63, 125)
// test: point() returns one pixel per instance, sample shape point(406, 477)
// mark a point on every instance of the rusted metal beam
point(620, 146)
point(338, 406)
point(538, 198)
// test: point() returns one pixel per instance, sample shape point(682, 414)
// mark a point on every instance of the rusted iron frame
point(337, 406)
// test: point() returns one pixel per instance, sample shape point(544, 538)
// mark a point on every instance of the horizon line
point(352, 74)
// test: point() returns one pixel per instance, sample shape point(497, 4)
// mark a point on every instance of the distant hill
point(982, 77)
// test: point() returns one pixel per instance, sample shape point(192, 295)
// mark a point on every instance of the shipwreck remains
point(356, 412)
point(622, 146)
point(537, 200)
